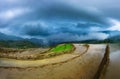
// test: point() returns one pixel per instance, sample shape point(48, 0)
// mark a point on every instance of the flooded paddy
point(83, 63)
point(113, 70)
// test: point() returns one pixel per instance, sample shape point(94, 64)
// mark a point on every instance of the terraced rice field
point(82, 62)
point(38, 53)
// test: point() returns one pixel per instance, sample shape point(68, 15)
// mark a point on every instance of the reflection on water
point(113, 71)
point(115, 57)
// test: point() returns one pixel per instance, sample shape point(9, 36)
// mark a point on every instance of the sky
point(60, 20)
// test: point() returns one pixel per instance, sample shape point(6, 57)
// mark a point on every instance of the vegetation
point(62, 48)
point(58, 50)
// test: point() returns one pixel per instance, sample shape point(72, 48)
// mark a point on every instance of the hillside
point(17, 44)
point(8, 37)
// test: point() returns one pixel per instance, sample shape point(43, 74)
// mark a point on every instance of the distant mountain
point(11, 41)
point(111, 33)
point(115, 39)
point(114, 36)
point(8, 37)
point(14, 41)
point(17, 44)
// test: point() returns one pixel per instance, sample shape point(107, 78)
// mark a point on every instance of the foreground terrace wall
point(103, 65)
point(83, 63)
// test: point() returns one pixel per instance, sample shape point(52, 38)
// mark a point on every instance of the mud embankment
point(103, 65)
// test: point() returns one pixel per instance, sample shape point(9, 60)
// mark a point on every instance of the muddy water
point(113, 70)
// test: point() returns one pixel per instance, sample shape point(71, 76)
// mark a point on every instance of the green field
point(62, 48)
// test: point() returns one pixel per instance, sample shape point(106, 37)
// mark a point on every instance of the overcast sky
point(67, 20)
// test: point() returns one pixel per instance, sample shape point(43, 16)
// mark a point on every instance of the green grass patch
point(62, 48)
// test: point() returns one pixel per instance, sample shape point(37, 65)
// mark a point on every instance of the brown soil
point(81, 64)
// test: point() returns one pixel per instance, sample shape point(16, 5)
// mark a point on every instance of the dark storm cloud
point(54, 10)
point(57, 19)
point(37, 31)
point(64, 12)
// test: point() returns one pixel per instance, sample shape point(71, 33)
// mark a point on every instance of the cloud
point(57, 17)
point(57, 10)
point(115, 26)
point(65, 12)
point(67, 37)
point(35, 29)
point(57, 20)
point(12, 13)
